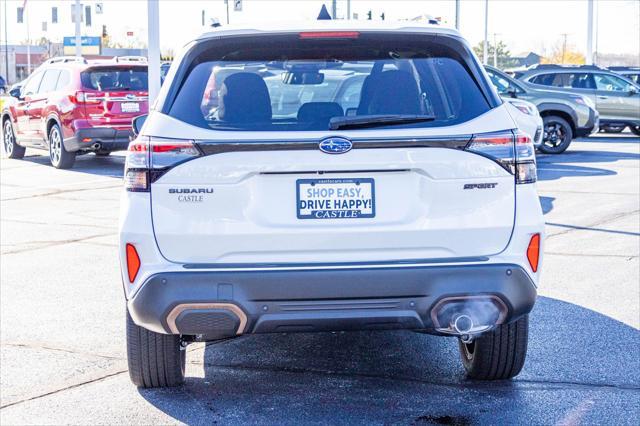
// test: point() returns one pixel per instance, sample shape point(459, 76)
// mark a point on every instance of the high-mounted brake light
point(512, 149)
point(150, 158)
point(533, 252)
point(133, 262)
point(329, 34)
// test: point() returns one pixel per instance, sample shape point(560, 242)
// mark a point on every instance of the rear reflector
point(533, 252)
point(329, 34)
point(135, 180)
point(133, 262)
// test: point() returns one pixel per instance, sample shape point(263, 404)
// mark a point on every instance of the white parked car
point(329, 176)
point(528, 118)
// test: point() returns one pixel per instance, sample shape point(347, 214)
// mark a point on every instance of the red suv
point(77, 107)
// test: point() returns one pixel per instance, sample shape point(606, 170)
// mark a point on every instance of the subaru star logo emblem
point(335, 145)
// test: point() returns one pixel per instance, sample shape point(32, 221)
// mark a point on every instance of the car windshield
point(293, 83)
point(115, 78)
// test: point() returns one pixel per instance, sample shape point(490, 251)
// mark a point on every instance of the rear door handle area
point(603, 97)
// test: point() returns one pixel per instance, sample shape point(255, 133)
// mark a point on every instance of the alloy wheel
point(554, 134)
point(55, 146)
point(8, 138)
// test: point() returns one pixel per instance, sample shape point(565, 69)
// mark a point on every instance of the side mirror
point(633, 91)
point(137, 124)
point(15, 92)
point(511, 91)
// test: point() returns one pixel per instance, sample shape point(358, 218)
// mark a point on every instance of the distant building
point(121, 51)
point(18, 59)
point(527, 59)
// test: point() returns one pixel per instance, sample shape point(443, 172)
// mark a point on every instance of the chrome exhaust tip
point(468, 316)
point(96, 146)
point(462, 324)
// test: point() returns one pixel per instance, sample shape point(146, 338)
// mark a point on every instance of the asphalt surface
point(62, 320)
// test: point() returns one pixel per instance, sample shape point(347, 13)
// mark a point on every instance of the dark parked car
point(632, 73)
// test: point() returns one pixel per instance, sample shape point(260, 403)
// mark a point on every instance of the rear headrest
point(390, 92)
point(313, 112)
point(244, 98)
point(105, 82)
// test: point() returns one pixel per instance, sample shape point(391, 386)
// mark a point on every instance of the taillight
point(149, 158)
point(133, 262)
point(533, 252)
point(87, 98)
point(513, 150)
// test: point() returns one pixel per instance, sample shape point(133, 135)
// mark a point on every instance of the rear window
point(115, 78)
point(286, 82)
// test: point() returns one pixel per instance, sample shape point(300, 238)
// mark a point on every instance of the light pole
point(485, 47)
point(589, 58)
point(495, 50)
point(26, 20)
point(6, 43)
point(78, 16)
point(153, 41)
point(458, 15)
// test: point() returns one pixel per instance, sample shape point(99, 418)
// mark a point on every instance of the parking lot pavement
point(62, 320)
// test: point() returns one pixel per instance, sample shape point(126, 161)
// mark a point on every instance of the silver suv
point(616, 97)
point(565, 115)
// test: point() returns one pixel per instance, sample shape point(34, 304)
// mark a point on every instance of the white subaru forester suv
point(334, 176)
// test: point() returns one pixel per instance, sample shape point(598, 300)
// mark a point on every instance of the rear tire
point(155, 360)
point(498, 354)
point(635, 130)
point(10, 147)
point(557, 135)
point(59, 156)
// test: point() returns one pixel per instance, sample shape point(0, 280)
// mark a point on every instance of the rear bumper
point(110, 139)
point(220, 303)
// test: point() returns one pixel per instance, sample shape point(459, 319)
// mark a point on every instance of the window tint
point(502, 84)
point(63, 80)
point(115, 78)
point(566, 80)
point(288, 83)
point(611, 83)
point(49, 81)
point(633, 77)
point(32, 85)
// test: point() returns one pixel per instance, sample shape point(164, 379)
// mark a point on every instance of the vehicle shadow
point(111, 166)
point(547, 204)
point(410, 378)
point(604, 138)
point(570, 163)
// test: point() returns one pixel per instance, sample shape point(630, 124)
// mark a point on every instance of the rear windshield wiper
point(364, 121)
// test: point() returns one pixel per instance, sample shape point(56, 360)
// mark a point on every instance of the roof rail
point(65, 59)
point(130, 59)
point(624, 68)
point(561, 66)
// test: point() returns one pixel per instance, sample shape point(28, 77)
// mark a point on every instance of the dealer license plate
point(130, 107)
point(336, 198)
